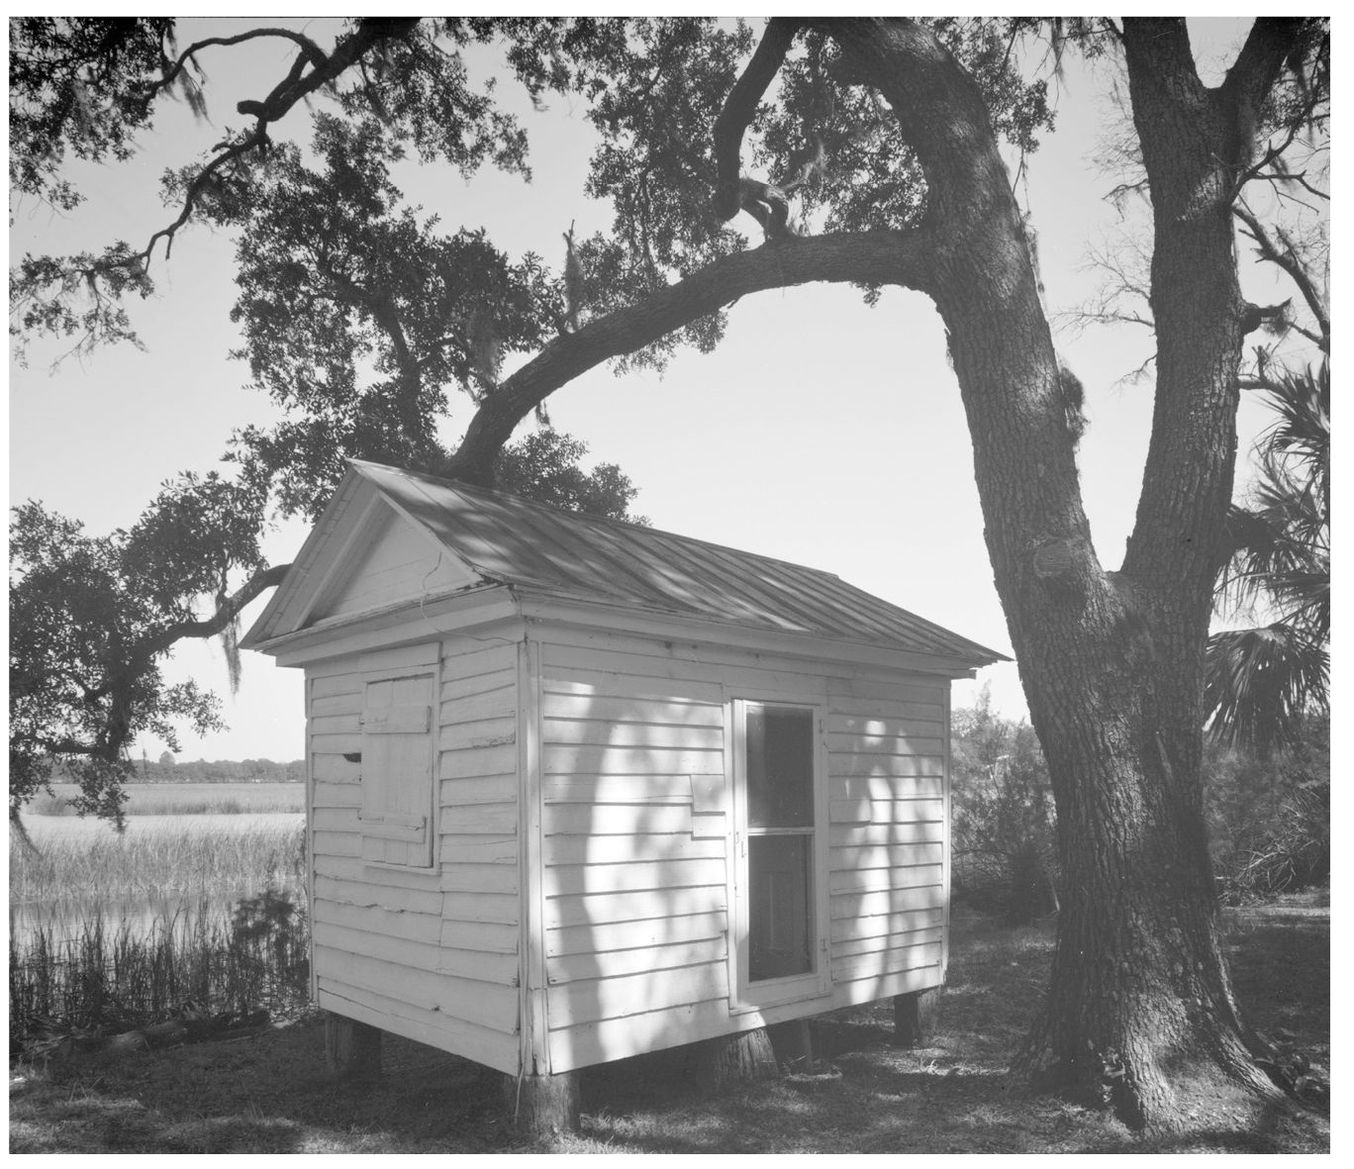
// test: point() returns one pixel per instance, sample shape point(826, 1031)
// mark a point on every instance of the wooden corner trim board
point(533, 1020)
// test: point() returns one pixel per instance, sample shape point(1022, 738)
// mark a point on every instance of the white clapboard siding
point(887, 836)
point(570, 880)
point(494, 1049)
point(489, 937)
point(852, 929)
point(341, 883)
point(475, 877)
point(885, 787)
point(479, 814)
point(481, 1002)
point(910, 876)
point(388, 942)
point(635, 905)
point(848, 948)
point(620, 996)
point(907, 957)
point(655, 960)
point(602, 850)
point(617, 789)
point(381, 921)
point(640, 936)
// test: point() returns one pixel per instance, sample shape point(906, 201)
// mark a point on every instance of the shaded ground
point(270, 1094)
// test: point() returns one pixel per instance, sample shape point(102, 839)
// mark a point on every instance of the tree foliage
point(1265, 682)
point(1003, 819)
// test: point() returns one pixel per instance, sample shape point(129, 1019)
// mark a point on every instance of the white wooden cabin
point(580, 789)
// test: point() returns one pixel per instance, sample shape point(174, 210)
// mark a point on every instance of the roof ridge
point(587, 517)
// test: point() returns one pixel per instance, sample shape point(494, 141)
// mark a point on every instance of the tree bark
point(1110, 662)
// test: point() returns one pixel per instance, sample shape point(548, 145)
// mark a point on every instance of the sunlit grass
point(183, 799)
point(166, 857)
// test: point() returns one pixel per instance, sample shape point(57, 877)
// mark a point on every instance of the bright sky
point(821, 431)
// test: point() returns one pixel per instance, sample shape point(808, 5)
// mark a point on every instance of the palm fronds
point(1259, 682)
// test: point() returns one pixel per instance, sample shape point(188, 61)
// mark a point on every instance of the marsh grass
point(98, 980)
point(183, 799)
point(179, 857)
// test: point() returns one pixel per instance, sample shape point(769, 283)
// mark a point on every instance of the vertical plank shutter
point(397, 771)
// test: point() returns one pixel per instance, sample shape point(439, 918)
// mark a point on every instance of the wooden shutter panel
point(397, 771)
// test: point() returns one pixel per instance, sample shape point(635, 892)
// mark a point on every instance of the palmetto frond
point(1260, 682)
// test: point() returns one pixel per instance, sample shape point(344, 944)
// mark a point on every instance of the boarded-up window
point(397, 771)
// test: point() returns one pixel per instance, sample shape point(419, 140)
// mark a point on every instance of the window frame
point(746, 996)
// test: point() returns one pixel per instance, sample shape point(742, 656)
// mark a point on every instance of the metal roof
point(514, 541)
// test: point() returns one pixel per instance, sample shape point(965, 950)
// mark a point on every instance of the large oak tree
point(905, 119)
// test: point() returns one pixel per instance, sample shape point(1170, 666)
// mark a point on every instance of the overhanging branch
point(740, 107)
point(875, 257)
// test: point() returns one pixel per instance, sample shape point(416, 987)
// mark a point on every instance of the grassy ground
point(270, 1094)
point(185, 799)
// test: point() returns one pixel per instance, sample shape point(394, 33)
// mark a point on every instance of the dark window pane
point(780, 909)
point(780, 767)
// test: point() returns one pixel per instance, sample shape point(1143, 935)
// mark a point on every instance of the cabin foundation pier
point(741, 1058)
point(914, 1017)
point(352, 1050)
point(542, 1106)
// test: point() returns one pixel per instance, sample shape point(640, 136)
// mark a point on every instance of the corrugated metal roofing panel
point(517, 541)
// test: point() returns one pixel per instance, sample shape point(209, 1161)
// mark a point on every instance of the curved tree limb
point(876, 257)
point(740, 107)
point(309, 49)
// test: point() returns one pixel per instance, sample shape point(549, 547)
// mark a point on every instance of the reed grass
point(180, 858)
point(97, 980)
point(183, 799)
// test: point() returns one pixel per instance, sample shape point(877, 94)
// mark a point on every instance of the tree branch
point(875, 257)
point(1267, 47)
point(1287, 260)
point(740, 107)
point(308, 47)
point(159, 642)
point(296, 86)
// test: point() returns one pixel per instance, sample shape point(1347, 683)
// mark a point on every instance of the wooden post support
point(542, 1106)
point(914, 1017)
point(793, 1044)
point(747, 1056)
point(351, 1049)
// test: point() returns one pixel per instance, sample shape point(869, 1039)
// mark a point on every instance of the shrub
point(1004, 859)
point(1269, 818)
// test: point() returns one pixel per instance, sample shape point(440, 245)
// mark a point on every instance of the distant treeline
point(167, 770)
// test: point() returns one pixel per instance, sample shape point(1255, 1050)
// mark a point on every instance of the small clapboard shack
point(580, 789)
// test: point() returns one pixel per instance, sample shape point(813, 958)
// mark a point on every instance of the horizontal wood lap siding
point(887, 836)
point(477, 765)
point(635, 905)
point(427, 953)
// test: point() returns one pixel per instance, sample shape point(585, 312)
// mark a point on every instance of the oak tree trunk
point(1111, 662)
